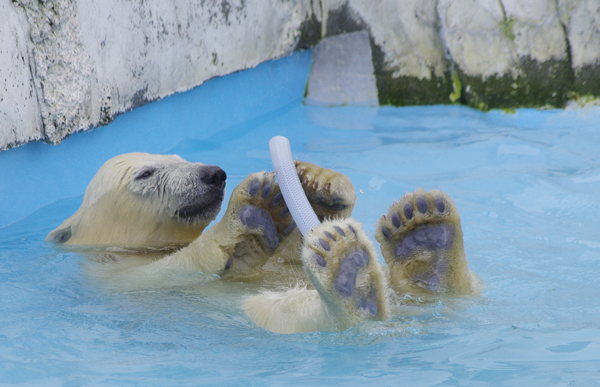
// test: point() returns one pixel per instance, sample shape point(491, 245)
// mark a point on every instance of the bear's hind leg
point(422, 243)
point(341, 262)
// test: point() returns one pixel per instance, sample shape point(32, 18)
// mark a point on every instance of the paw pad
point(277, 199)
point(396, 220)
point(439, 204)
point(422, 205)
point(257, 217)
point(421, 241)
point(344, 283)
point(429, 238)
point(339, 230)
point(408, 211)
point(287, 231)
point(369, 303)
point(329, 235)
point(320, 260)
point(254, 186)
point(324, 244)
point(428, 281)
point(266, 191)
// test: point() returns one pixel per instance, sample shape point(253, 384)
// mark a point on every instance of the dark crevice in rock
point(343, 20)
point(310, 33)
point(587, 81)
point(566, 34)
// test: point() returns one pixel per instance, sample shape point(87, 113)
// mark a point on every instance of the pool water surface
point(526, 184)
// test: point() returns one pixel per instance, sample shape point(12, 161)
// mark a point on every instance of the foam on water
point(526, 185)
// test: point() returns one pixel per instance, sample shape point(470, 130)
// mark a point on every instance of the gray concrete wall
point(69, 65)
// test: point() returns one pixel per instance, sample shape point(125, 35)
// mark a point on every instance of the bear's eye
point(146, 174)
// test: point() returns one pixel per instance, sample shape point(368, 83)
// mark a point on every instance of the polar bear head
point(144, 200)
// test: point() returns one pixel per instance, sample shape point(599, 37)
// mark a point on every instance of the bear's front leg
point(330, 194)
point(255, 223)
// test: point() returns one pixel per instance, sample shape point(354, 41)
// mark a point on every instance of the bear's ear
point(59, 235)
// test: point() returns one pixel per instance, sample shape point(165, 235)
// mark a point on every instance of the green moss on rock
point(403, 91)
point(456, 87)
point(548, 84)
point(539, 85)
point(392, 90)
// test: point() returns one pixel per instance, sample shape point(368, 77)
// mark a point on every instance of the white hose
point(292, 191)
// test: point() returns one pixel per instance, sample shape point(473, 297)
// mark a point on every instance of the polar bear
point(143, 202)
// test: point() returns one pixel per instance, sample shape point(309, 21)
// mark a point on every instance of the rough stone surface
point(507, 53)
point(91, 61)
point(68, 65)
point(484, 53)
point(581, 19)
point(172, 46)
point(63, 71)
point(342, 72)
point(20, 117)
point(408, 55)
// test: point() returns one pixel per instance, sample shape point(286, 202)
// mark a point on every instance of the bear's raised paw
point(330, 193)
point(341, 262)
point(421, 241)
point(260, 218)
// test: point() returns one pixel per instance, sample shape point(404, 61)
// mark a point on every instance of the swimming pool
point(526, 185)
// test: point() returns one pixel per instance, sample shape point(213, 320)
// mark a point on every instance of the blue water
point(527, 186)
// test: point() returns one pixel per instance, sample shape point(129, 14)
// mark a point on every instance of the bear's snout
point(213, 176)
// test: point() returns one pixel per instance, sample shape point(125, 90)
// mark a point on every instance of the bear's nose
point(213, 175)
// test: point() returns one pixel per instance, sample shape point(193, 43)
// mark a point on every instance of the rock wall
point(20, 116)
point(407, 51)
point(483, 53)
point(581, 20)
point(68, 65)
